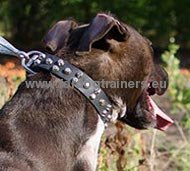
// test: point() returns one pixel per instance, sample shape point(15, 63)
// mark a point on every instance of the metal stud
point(37, 62)
point(104, 112)
point(97, 91)
point(109, 116)
point(79, 74)
point(74, 80)
point(55, 68)
point(109, 106)
point(49, 61)
point(86, 85)
point(43, 56)
point(108, 109)
point(67, 71)
point(60, 62)
point(92, 96)
point(102, 102)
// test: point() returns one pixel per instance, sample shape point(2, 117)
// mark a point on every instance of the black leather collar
point(78, 79)
point(35, 60)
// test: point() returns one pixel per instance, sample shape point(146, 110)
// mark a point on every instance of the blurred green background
point(26, 21)
point(166, 23)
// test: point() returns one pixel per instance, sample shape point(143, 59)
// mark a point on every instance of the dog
point(58, 129)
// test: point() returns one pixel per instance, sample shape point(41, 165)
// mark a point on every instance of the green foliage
point(4, 18)
point(183, 159)
point(158, 20)
point(110, 158)
point(179, 88)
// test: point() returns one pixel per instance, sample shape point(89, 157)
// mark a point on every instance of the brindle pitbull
point(57, 129)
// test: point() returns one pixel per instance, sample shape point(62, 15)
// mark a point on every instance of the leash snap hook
point(29, 59)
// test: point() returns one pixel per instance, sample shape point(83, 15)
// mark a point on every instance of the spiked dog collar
point(35, 61)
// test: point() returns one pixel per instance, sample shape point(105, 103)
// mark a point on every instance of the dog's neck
point(55, 117)
point(101, 65)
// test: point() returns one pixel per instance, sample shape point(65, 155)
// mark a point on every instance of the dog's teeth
point(86, 85)
point(79, 74)
point(92, 96)
point(102, 102)
point(55, 68)
point(60, 62)
point(67, 71)
point(49, 61)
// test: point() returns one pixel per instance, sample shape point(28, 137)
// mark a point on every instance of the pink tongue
point(163, 121)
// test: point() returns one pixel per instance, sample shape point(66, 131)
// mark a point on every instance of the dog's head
point(107, 49)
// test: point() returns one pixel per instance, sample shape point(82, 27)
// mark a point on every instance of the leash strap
point(35, 61)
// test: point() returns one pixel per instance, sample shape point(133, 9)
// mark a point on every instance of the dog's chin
point(147, 114)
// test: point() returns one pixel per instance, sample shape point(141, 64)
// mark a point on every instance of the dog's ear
point(57, 36)
point(160, 77)
point(75, 36)
point(102, 27)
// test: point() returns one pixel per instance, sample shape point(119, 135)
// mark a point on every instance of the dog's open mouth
point(146, 113)
point(163, 121)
